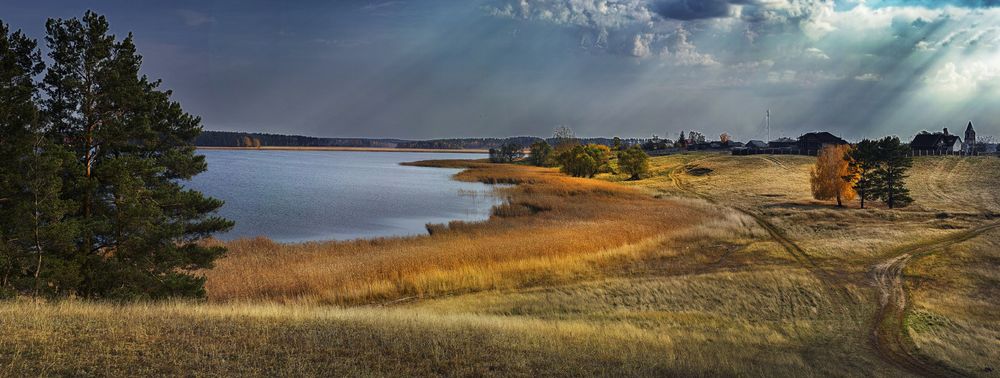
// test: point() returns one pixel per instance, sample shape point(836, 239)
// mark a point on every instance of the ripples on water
point(294, 196)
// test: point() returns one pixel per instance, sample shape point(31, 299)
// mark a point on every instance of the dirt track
point(793, 249)
point(889, 334)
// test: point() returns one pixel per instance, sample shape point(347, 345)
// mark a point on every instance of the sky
point(633, 68)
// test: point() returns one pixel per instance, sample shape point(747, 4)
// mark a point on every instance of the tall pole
point(768, 117)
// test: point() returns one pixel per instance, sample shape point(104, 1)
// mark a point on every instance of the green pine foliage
point(863, 164)
point(880, 170)
point(93, 181)
point(894, 161)
point(33, 225)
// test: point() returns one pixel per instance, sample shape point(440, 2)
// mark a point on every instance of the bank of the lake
point(354, 149)
point(297, 196)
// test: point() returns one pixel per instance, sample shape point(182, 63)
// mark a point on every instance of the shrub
point(585, 161)
point(507, 153)
point(541, 154)
point(633, 162)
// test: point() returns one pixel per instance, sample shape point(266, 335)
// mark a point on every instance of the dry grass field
point(713, 265)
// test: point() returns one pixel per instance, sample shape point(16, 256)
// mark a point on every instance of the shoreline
point(354, 149)
point(401, 230)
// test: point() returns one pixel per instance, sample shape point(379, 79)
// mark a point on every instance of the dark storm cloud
point(443, 68)
point(693, 9)
point(937, 3)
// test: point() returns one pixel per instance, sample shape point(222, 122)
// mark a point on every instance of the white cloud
point(811, 16)
point(815, 53)
point(755, 66)
point(588, 13)
point(681, 52)
point(868, 77)
point(964, 76)
point(380, 5)
point(640, 44)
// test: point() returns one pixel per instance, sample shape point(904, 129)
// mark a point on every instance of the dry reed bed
point(553, 229)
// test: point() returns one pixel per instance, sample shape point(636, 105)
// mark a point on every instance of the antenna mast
point(768, 118)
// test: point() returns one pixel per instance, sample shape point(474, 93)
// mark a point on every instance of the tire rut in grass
point(889, 334)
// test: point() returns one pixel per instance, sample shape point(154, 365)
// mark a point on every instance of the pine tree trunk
point(6, 275)
point(890, 188)
point(38, 250)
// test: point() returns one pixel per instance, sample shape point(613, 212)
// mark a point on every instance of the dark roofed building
point(936, 142)
point(811, 143)
point(783, 142)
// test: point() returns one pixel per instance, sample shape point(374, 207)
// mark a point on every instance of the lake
point(295, 196)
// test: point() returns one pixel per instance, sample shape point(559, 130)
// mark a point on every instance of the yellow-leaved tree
point(831, 177)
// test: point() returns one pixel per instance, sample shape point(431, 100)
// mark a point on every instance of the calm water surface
point(294, 196)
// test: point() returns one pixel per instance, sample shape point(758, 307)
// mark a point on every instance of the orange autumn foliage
point(828, 175)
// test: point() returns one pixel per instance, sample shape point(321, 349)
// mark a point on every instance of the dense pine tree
point(131, 147)
point(879, 170)
point(36, 241)
point(19, 62)
point(894, 160)
point(862, 165)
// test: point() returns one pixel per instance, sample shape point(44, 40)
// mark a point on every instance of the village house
point(783, 142)
point(936, 143)
point(807, 144)
point(811, 143)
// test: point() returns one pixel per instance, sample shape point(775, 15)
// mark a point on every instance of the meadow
point(712, 265)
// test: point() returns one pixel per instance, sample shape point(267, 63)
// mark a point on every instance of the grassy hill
point(713, 265)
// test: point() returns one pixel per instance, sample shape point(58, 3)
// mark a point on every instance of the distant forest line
point(243, 139)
